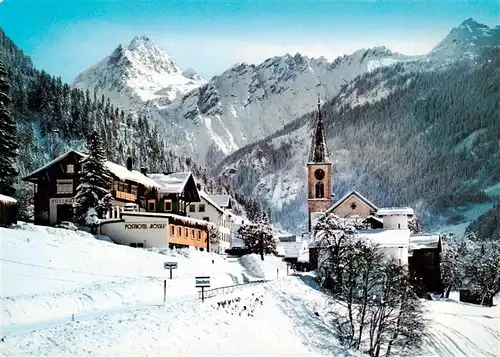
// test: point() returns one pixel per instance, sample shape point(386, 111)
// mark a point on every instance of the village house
point(388, 228)
point(55, 184)
point(207, 209)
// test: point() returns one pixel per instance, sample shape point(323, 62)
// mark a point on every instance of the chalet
point(8, 211)
point(209, 210)
point(54, 186)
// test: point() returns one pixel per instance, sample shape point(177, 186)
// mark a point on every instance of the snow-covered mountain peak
point(139, 72)
point(467, 40)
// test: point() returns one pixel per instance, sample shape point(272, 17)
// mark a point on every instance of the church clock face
point(319, 174)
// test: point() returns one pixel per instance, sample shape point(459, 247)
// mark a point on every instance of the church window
point(320, 190)
point(353, 205)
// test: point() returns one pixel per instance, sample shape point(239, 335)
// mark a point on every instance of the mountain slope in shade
point(138, 73)
point(467, 39)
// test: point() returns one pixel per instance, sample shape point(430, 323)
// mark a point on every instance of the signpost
point(202, 282)
point(169, 266)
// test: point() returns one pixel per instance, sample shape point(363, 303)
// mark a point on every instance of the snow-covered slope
point(238, 107)
point(48, 274)
point(138, 73)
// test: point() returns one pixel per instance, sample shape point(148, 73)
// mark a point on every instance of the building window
point(198, 234)
point(45, 215)
point(192, 208)
point(192, 233)
point(35, 187)
point(70, 169)
point(201, 207)
point(181, 206)
point(320, 190)
point(167, 205)
point(186, 232)
point(64, 186)
point(151, 205)
point(125, 187)
point(133, 190)
point(399, 225)
point(206, 219)
point(120, 186)
point(172, 230)
point(179, 232)
point(115, 185)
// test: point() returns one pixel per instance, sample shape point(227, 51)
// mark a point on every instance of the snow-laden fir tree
point(259, 238)
point(8, 144)
point(93, 194)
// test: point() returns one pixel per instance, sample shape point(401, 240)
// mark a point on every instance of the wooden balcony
point(125, 196)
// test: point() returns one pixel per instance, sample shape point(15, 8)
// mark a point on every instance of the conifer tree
point(259, 238)
point(93, 194)
point(8, 145)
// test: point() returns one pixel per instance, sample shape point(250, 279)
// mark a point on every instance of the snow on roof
point(125, 174)
point(186, 220)
point(171, 183)
point(393, 211)
point(346, 196)
point(375, 218)
point(237, 219)
point(118, 170)
point(221, 200)
point(209, 200)
point(57, 159)
point(387, 237)
point(7, 199)
point(424, 241)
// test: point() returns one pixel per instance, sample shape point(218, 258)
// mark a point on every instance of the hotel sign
point(62, 201)
point(146, 225)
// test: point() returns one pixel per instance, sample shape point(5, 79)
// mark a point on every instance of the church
point(386, 227)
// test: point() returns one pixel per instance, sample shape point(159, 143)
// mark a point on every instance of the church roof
point(357, 194)
point(319, 150)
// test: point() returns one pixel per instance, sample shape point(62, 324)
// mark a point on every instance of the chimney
point(129, 163)
point(144, 171)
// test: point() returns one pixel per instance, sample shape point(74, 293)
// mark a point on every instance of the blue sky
point(66, 36)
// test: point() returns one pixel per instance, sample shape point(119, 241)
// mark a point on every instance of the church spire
point(319, 151)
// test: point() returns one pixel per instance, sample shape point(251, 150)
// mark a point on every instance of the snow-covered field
point(116, 294)
point(49, 274)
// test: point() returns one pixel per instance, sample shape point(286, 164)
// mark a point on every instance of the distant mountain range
point(416, 130)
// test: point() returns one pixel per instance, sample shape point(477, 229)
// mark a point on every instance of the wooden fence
point(229, 289)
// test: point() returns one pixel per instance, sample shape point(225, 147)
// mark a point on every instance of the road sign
point(170, 265)
point(202, 281)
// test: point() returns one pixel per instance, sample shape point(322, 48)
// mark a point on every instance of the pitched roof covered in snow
point(424, 241)
point(171, 183)
point(387, 237)
point(395, 211)
point(205, 196)
point(119, 171)
point(222, 200)
point(7, 199)
point(292, 249)
point(349, 194)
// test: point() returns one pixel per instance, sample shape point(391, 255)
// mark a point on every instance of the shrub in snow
point(94, 189)
point(259, 238)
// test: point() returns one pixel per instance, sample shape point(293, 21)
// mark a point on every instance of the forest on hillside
point(431, 143)
point(52, 117)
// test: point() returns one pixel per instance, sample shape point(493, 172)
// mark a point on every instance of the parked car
point(67, 225)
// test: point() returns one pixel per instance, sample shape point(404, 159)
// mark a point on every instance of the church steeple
point(319, 172)
point(319, 151)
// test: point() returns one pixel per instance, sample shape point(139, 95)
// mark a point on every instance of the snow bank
point(49, 274)
point(271, 268)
